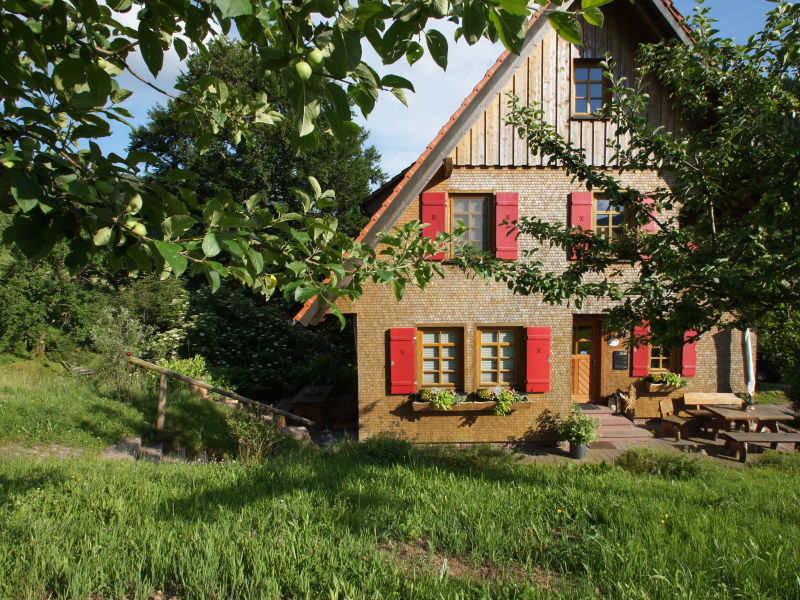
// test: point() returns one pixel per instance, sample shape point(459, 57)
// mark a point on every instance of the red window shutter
point(580, 213)
point(650, 226)
point(640, 360)
point(402, 359)
point(506, 209)
point(689, 355)
point(434, 213)
point(537, 350)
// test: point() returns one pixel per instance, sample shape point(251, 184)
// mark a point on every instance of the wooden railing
point(162, 393)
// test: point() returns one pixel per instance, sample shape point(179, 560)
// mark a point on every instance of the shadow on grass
point(34, 476)
point(335, 478)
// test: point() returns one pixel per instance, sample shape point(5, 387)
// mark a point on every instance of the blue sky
point(399, 133)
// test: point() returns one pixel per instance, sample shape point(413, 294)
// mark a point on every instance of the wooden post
point(162, 402)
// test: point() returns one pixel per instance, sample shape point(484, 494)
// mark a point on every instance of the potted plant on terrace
point(666, 382)
point(580, 431)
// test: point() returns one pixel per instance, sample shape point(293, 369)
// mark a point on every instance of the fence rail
point(162, 393)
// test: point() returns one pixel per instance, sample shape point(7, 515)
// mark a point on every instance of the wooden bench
point(704, 419)
point(737, 441)
point(671, 422)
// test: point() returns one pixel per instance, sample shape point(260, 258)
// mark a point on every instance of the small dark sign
point(620, 359)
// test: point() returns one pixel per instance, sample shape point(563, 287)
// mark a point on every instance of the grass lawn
point(388, 520)
point(773, 393)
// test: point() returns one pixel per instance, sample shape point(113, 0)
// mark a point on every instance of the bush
point(665, 464)
point(781, 461)
point(115, 333)
point(256, 437)
point(197, 368)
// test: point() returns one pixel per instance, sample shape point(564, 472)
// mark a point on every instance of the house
point(465, 334)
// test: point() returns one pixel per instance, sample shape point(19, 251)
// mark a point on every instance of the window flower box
point(460, 407)
point(499, 401)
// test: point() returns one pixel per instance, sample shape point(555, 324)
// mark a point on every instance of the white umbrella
point(748, 364)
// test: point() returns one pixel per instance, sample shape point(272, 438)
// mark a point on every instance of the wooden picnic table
point(761, 415)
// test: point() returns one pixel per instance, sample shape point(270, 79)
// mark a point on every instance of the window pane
point(584, 347)
point(449, 351)
point(602, 220)
point(488, 365)
point(507, 364)
point(596, 74)
point(596, 105)
point(487, 377)
point(507, 337)
point(477, 221)
point(429, 337)
point(459, 205)
point(430, 378)
point(449, 337)
point(507, 377)
point(603, 204)
point(581, 106)
point(488, 337)
point(618, 219)
point(488, 351)
point(477, 204)
point(509, 352)
point(449, 365)
point(654, 364)
point(596, 90)
point(580, 90)
point(448, 377)
point(430, 352)
point(581, 74)
point(430, 365)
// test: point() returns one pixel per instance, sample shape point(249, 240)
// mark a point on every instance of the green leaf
point(593, 3)
point(180, 48)
point(234, 8)
point(437, 46)
point(414, 52)
point(25, 191)
point(152, 51)
point(395, 81)
point(103, 236)
point(346, 52)
point(171, 254)
point(515, 7)
point(511, 29)
point(567, 26)
point(210, 244)
point(593, 16)
point(473, 22)
point(300, 236)
point(400, 95)
point(213, 279)
point(68, 73)
point(339, 98)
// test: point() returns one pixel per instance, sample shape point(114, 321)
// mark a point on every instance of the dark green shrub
point(665, 464)
point(256, 437)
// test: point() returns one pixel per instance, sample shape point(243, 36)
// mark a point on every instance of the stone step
point(612, 420)
point(595, 410)
point(154, 453)
point(126, 449)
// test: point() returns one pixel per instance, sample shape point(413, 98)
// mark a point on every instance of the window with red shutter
point(506, 210)
point(689, 355)
point(402, 357)
point(537, 359)
point(580, 213)
point(434, 212)
point(640, 355)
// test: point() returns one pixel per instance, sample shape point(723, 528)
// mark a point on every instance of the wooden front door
point(585, 358)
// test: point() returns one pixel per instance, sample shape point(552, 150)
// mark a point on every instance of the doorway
point(585, 358)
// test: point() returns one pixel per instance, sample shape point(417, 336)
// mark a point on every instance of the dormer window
point(472, 212)
point(589, 88)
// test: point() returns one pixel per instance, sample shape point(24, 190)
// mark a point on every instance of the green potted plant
point(666, 382)
point(580, 431)
point(503, 399)
point(440, 399)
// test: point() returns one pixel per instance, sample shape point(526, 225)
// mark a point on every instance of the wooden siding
point(546, 78)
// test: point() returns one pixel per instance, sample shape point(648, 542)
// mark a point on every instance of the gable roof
point(400, 191)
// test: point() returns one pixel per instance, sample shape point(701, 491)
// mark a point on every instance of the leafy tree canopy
point(266, 163)
point(59, 67)
point(725, 251)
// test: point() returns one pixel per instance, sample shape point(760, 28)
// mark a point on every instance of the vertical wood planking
point(492, 145)
point(505, 139)
point(521, 89)
point(535, 94)
point(548, 84)
point(563, 75)
point(574, 126)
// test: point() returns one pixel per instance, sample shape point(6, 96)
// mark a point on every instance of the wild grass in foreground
point(387, 520)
